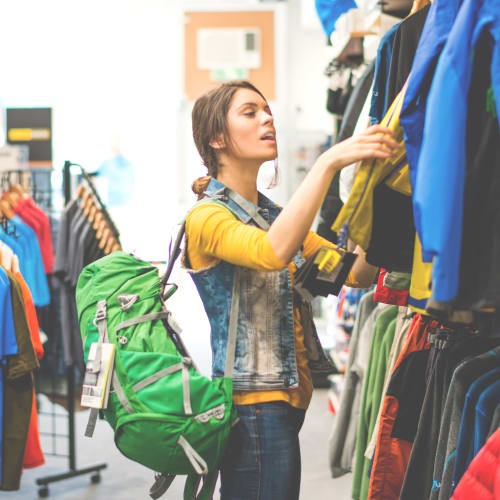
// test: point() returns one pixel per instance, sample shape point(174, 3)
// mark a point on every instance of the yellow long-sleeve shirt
point(213, 234)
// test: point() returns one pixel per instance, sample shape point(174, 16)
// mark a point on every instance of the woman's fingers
point(378, 129)
point(379, 139)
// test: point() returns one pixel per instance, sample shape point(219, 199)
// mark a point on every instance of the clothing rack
point(88, 180)
point(73, 471)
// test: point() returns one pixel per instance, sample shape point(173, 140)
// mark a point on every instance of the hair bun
point(200, 185)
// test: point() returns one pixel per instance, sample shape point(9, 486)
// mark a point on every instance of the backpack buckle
point(100, 314)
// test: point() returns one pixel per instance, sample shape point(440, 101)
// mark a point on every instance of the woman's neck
point(242, 179)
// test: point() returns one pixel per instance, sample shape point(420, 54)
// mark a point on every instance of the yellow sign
point(29, 134)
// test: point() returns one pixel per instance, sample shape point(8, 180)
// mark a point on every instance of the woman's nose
point(267, 118)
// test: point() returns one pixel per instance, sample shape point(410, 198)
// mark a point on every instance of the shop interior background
point(113, 73)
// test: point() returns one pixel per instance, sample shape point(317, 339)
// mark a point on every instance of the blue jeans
point(262, 460)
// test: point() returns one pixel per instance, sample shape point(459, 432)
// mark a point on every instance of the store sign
point(32, 127)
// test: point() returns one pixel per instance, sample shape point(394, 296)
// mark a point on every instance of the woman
point(242, 251)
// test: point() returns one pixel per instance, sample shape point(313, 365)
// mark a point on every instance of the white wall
point(106, 67)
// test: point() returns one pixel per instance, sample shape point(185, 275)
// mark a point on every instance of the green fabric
point(495, 422)
point(383, 335)
point(149, 434)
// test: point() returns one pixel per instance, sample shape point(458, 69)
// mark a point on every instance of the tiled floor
point(125, 480)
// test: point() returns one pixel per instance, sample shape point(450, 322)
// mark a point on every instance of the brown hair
point(209, 118)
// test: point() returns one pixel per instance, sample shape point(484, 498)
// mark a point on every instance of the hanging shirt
point(439, 185)
point(39, 221)
point(379, 100)
point(18, 391)
point(33, 454)
point(434, 35)
point(34, 270)
point(381, 193)
point(8, 343)
point(119, 173)
point(465, 442)
point(403, 51)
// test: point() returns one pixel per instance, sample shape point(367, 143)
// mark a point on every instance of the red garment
point(38, 220)
point(481, 480)
point(33, 454)
point(392, 454)
point(388, 295)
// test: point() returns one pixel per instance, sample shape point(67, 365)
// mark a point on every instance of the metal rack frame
point(73, 471)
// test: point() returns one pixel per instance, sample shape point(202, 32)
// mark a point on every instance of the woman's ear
point(217, 143)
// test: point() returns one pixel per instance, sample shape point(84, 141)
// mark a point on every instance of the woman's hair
point(209, 118)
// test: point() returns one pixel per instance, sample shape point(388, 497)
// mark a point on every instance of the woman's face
point(251, 127)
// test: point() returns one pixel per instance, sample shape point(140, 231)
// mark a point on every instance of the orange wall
point(198, 81)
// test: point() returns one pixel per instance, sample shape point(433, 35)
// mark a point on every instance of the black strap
point(173, 256)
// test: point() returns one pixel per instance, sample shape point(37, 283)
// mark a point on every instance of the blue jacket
point(379, 104)
point(437, 27)
point(439, 180)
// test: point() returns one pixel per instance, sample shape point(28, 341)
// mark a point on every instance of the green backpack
point(164, 414)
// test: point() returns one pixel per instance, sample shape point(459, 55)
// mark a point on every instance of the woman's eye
point(251, 113)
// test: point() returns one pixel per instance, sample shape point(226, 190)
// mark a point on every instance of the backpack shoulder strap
point(180, 235)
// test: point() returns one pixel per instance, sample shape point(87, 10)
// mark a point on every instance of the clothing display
point(438, 195)
point(375, 279)
point(332, 203)
point(383, 336)
point(85, 234)
point(429, 218)
point(343, 439)
point(23, 285)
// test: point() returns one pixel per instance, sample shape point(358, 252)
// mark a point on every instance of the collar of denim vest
point(246, 210)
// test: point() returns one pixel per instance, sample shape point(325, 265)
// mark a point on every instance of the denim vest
point(265, 347)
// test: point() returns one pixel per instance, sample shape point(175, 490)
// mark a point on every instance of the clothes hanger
point(109, 245)
point(84, 197)
point(89, 203)
point(97, 220)
point(100, 230)
point(6, 209)
point(79, 191)
point(11, 198)
point(92, 213)
point(17, 188)
point(104, 239)
point(417, 5)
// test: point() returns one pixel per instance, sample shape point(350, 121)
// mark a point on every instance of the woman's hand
point(288, 231)
point(374, 142)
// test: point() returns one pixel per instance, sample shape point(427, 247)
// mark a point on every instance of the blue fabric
point(439, 22)
point(379, 103)
point(484, 414)
point(120, 174)
point(8, 342)
point(263, 454)
point(330, 10)
point(465, 442)
point(32, 267)
point(439, 182)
